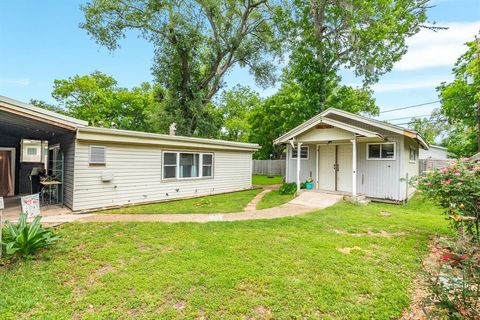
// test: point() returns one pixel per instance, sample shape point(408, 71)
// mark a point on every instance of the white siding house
point(434, 152)
point(355, 155)
point(109, 167)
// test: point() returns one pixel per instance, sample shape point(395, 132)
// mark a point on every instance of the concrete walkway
point(305, 202)
point(252, 205)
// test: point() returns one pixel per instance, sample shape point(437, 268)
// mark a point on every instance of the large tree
point(432, 128)
point(367, 37)
point(196, 43)
point(460, 100)
point(97, 98)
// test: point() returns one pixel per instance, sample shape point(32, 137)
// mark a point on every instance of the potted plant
point(309, 184)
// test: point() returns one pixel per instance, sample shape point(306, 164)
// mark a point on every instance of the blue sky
point(41, 41)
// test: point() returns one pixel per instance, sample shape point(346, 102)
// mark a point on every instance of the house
point(434, 152)
point(355, 155)
point(95, 167)
point(475, 158)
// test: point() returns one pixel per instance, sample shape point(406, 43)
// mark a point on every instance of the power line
point(413, 106)
point(423, 116)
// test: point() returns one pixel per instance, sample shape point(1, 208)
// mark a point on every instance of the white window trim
point(415, 150)
point(177, 166)
point(308, 154)
point(90, 155)
point(383, 159)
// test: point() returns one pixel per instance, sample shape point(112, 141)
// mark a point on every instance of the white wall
point(137, 176)
point(410, 167)
point(307, 167)
point(434, 152)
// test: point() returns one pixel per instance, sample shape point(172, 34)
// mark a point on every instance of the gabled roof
point(323, 118)
point(318, 119)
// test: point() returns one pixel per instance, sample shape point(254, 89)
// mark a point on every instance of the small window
point(381, 151)
point(32, 151)
point(207, 165)
point(97, 155)
point(169, 165)
point(413, 154)
point(304, 152)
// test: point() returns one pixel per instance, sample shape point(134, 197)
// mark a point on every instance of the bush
point(25, 239)
point(457, 189)
point(288, 188)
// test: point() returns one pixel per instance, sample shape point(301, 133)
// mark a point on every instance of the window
point(187, 165)
point(381, 151)
point(207, 165)
point(304, 152)
point(97, 155)
point(32, 151)
point(413, 154)
point(169, 165)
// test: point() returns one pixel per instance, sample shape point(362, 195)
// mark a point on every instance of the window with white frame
point(187, 165)
point(97, 155)
point(413, 154)
point(304, 152)
point(381, 151)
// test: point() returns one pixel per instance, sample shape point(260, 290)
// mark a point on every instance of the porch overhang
point(318, 120)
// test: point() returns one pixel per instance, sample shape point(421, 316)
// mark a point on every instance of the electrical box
point(107, 176)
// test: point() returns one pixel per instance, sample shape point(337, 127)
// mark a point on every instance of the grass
point(259, 180)
point(274, 199)
point(222, 203)
point(284, 268)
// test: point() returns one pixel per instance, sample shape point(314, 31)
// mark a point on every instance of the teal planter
point(309, 185)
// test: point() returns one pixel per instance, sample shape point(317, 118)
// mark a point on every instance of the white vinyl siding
point(138, 170)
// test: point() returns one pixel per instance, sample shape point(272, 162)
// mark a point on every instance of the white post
point(354, 167)
point(299, 149)
point(1, 224)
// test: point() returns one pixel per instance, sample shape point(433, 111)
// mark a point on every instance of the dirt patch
point(370, 233)
point(180, 305)
point(104, 270)
point(348, 250)
point(385, 214)
point(262, 312)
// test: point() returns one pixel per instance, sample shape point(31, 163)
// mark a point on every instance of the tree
point(97, 98)
point(460, 97)
point(432, 128)
point(367, 37)
point(47, 106)
point(234, 106)
point(196, 43)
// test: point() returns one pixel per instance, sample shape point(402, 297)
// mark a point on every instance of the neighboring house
point(100, 167)
point(347, 153)
point(475, 157)
point(434, 152)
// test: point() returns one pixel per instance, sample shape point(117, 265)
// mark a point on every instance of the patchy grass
point(258, 180)
point(221, 203)
point(296, 267)
point(274, 199)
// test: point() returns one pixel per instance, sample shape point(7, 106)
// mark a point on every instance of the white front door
point(344, 165)
point(326, 168)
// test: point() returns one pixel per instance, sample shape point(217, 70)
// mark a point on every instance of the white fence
point(269, 167)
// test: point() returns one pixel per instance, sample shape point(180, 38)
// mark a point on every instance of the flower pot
point(309, 185)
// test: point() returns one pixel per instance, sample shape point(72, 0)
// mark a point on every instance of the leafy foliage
point(457, 189)
point(288, 188)
point(196, 44)
point(431, 128)
point(97, 99)
point(26, 239)
point(459, 102)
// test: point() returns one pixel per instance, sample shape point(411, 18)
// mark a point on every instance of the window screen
point(97, 155)
point(169, 165)
point(303, 152)
point(207, 165)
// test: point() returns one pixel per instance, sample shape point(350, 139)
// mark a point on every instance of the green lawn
point(274, 199)
point(283, 269)
point(265, 180)
point(222, 203)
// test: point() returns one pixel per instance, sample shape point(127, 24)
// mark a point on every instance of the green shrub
point(288, 188)
point(25, 238)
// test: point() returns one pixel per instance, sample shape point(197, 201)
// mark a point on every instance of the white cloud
point(16, 82)
point(411, 84)
point(429, 49)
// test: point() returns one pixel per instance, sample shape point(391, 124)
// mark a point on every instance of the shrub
point(457, 189)
point(25, 239)
point(288, 188)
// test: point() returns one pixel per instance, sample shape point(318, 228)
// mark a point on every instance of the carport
point(37, 148)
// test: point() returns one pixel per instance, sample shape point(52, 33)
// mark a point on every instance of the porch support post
point(354, 167)
point(299, 147)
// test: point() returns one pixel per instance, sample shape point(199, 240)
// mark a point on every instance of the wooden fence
point(431, 164)
point(269, 167)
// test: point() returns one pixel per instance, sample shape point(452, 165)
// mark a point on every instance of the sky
point(41, 41)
